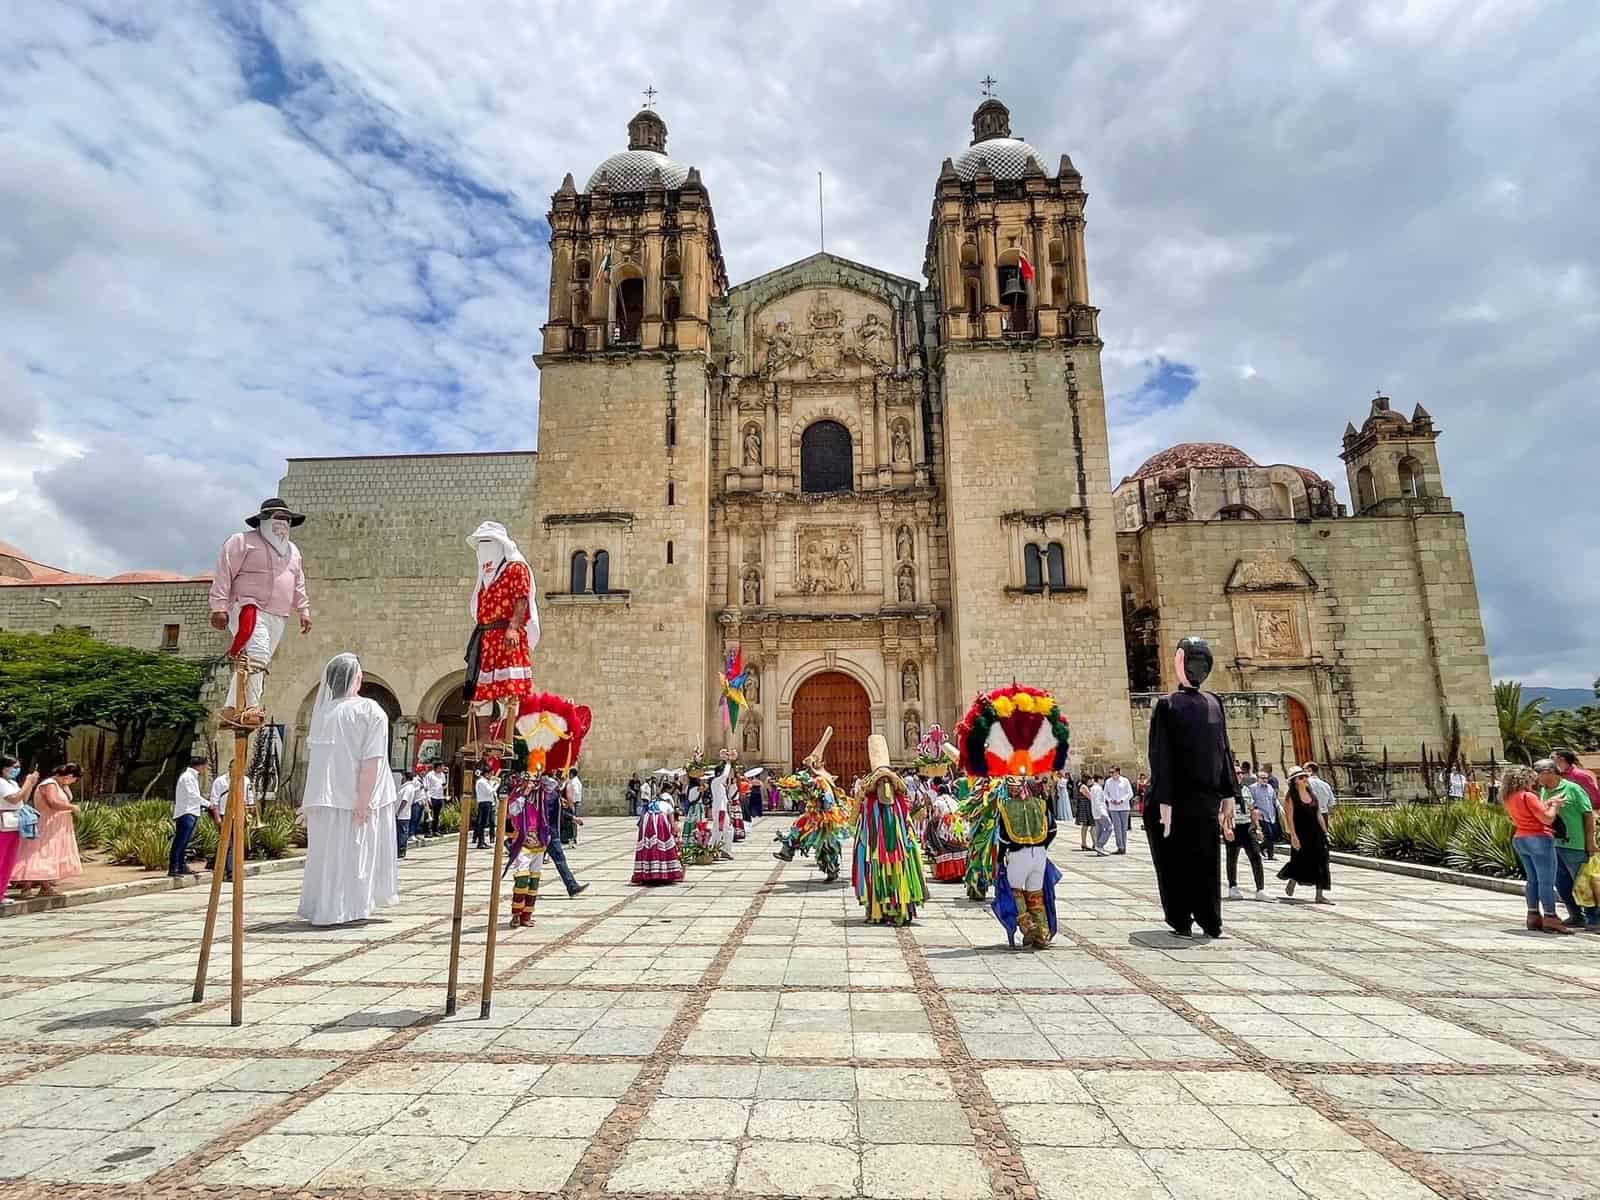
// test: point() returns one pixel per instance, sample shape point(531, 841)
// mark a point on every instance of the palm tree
point(1520, 732)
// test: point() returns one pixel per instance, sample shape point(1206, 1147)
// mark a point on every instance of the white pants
point(722, 826)
point(260, 648)
point(1025, 868)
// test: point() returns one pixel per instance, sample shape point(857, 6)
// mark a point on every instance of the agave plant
point(450, 818)
point(91, 823)
point(1345, 826)
point(268, 840)
point(153, 845)
point(203, 844)
point(123, 846)
point(1390, 834)
point(1433, 828)
point(1482, 844)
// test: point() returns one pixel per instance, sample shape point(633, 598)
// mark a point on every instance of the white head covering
point(493, 531)
point(340, 679)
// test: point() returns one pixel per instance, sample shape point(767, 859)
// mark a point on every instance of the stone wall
point(641, 656)
point(1372, 623)
point(390, 573)
point(1259, 719)
point(124, 614)
point(1027, 456)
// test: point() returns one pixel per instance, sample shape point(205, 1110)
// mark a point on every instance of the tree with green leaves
point(1521, 722)
point(52, 683)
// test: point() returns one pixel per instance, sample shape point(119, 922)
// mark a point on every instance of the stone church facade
point(890, 494)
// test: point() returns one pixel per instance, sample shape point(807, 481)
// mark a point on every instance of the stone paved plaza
point(744, 1033)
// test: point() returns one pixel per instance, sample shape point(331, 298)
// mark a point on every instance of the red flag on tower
point(1027, 267)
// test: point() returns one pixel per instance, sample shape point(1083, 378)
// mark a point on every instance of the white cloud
point(233, 235)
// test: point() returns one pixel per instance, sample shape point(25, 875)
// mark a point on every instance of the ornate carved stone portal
point(828, 560)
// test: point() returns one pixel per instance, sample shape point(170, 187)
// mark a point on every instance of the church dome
point(993, 148)
point(632, 169)
point(1185, 456)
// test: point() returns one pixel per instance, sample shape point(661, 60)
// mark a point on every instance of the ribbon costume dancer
point(549, 735)
point(887, 873)
point(1011, 740)
point(819, 830)
point(499, 669)
point(1191, 776)
point(258, 582)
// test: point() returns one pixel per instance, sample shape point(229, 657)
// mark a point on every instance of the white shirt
point(8, 790)
point(358, 731)
point(485, 790)
point(1458, 785)
point(645, 793)
point(219, 794)
point(1119, 793)
point(435, 782)
point(1323, 793)
point(1097, 802)
point(575, 792)
point(407, 795)
point(187, 800)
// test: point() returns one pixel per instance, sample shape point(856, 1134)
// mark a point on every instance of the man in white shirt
point(1102, 817)
point(1458, 785)
point(187, 802)
point(486, 790)
point(218, 804)
point(410, 794)
point(1321, 790)
point(574, 802)
point(1119, 806)
point(435, 784)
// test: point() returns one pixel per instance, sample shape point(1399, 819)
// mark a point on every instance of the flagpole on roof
point(822, 241)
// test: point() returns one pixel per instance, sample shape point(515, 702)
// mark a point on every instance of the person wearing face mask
point(1192, 774)
point(499, 666)
point(259, 582)
point(349, 803)
point(11, 798)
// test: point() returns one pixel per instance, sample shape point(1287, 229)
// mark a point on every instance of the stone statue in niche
point(829, 561)
point(752, 588)
point(907, 584)
point(752, 735)
point(752, 685)
point(872, 336)
point(1275, 635)
point(752, 446)
point(910, 682)
point(904, 544)
point(900, 443)
point(911, 730)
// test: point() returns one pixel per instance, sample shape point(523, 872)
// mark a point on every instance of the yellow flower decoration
point(1003, 706)
point(1023, 701)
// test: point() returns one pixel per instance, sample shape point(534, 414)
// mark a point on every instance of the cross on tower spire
point(988, 82)
point(650, 95)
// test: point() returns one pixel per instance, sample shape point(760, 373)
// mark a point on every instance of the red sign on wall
point(430, 741)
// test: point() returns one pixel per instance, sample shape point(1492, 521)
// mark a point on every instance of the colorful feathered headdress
point(550, 731)
point(734, 677)
point(1013, 731)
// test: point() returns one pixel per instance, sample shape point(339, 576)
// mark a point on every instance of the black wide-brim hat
point(273, 508)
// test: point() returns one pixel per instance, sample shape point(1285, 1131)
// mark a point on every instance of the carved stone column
point(1080, 271)
point(950, 252)
point(881, 455)
point(988, 255)
point(1041, 264)
point(652, 276)
point(735, 563)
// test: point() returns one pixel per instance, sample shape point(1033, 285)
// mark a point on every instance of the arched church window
point(1032, 567)
point(669, 554)
point(1366, 490)
point(670, 305)
point(580, 269)
point(670, 266)
point(1410, 478)
point(602, 572)
point(973, 304)
point(580, 573)
point(1237, 512)
point(1055, 559)
point(826, 460)
point(1013, 298)
point(630, 309)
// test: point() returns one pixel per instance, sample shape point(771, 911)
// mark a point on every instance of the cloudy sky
point(240, 231)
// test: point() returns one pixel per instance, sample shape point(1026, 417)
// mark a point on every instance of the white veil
point(339, 682)
point(493, 531)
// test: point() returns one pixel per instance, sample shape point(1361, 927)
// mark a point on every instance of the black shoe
point(577, 891)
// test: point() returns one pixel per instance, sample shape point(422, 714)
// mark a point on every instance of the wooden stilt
point(461, 876)
point(236, 813)
point(228, 836)
point(494, 906)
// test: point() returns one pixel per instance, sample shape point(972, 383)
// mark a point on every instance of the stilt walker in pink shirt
point(259, 582)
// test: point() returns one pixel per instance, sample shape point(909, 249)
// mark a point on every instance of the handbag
point(10, 820)
point(1559, 828)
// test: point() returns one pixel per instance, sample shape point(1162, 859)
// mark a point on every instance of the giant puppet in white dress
point(349, 803)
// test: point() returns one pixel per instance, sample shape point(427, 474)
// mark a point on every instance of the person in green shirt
point(1576, 846)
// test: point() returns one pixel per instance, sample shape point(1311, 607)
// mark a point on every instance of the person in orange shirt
point(1535, 845)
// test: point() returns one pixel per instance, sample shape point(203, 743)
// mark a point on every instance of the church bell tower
point(1033, 553)
point(621, 496)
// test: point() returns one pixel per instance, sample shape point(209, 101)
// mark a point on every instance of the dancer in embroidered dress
point(348, 804)
point(944, 833)
point(656, 857)
point(887, 872)
point(505, 609)
point(530, 834)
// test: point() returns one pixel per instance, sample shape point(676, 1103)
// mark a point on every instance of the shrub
point(268, 839)
point(203, 844)
point(1390, 833)
point(153, 844)
point(450, 818)
point(1482, 844)
point(123, 846)
point(1345, 826)
point(1434, 827)
point(91, 823)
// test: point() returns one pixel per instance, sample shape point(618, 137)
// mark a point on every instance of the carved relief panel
point(821, 334)
point(828, 560)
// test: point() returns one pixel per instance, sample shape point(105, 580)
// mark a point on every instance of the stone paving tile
point(1345, 1053)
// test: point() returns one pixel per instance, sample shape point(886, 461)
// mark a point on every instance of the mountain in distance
point(1559, 699)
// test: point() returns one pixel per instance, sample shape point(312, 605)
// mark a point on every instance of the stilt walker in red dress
point(499, 668)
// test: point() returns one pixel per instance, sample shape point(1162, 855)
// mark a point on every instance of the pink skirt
point(655, 857)
point(53, 855)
